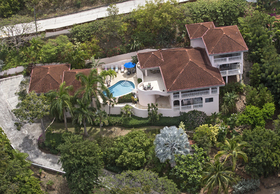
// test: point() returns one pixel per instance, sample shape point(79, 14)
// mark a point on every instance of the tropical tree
point(126, 111)
point(170, 142)
point(232, 150)
point(61, 102)
point(153, 113)
point(101, 118)
point(218, 176)
point(229, 104)
point(83, 114)
point(82, 162)
point(33, 107)
point(111, 73)
point(95, 63)
point(92, 87)
point(110, 99)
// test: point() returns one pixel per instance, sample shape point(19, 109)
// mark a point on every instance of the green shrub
point(193, 119)
point(205, 136)
point(130, 151)
point(235, 87)
point(125, 98)
point(139, 80)
point(245, 186)
point(53, 140)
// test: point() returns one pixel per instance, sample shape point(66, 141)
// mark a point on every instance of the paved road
point(24, 140)
point(86, 16)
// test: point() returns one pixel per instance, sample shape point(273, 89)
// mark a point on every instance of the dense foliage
point(245, 186)
point(263, 151)
point(193, 119)
point(82, 162)
point(15, 175)
point(189, 168)
point(140, 181)
point(205, 136)
point(130, 151)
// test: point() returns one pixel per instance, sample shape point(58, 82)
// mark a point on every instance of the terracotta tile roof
point(69, 77)
point(47, 77)
point(182, 68)
point(224, 40)
point(198, 30)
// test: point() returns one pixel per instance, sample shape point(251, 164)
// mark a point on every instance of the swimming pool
point(121, 88)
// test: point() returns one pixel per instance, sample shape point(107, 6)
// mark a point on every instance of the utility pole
point(35, 21)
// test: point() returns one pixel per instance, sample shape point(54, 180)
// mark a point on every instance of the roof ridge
point(181, 70)
point(144, 65)
point(45, 77)
point(208, 71)
point(157, 56)
point(218, 40)
point(234, 40)
point(44, 66)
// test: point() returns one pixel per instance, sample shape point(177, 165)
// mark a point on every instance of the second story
point(224, 45)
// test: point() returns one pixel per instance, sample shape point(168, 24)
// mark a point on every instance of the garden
point(230, 151)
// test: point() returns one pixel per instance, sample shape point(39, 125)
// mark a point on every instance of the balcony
point(227, 59)
point(230, 72)
point(199, 93)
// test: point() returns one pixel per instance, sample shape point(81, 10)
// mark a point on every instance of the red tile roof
point(198, 30)
point(182, 68)
point(69, 77)
point(46, 78)
point(218, 40)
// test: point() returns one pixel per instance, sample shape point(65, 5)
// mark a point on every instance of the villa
point(184, 79)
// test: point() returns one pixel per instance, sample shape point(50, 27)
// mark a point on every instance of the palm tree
point(92, 87)
point(101, 117)
point(232, 150)
point(83, 114)
point(126, 111)
point(229, 104)
point(61, 102)
point(111, 73)
point(110, 99)
point(95, 63)
point(217, 175)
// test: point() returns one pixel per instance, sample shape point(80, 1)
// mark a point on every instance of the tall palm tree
point(111, 73)
point(61, 102)
point(83, 114)
point(101, 118)
point(232, 150)
point(92, 87)
point(95, 63)
point(110, 99)
point(217, 176)
point(229, 104)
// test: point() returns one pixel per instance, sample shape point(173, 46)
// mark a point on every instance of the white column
point(146, 72)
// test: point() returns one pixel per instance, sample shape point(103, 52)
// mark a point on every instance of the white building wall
point(197, 43)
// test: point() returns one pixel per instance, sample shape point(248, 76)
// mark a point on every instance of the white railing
point(199, 93)
point(186, 107)
point(227, 59)
point(230, 72)
point(197, 105)
point(176, 108)
point(176, 96)
point(214, 90)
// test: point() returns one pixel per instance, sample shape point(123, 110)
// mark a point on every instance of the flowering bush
point(193, 119)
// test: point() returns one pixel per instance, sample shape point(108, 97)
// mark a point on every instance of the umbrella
point(129, 65)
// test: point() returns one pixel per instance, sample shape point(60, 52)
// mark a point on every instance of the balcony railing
point(199, 93)
point(176, 108)
point(227, 59)
point(186, 107)
point(176, 96)
point(230, 72)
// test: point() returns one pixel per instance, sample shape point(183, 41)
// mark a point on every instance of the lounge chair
point(122, 69)
point(128, 72)
point(112, 67)
point(133, 71)
point(106, 68)
point(117, 69)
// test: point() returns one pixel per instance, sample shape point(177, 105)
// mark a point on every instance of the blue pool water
point(121, 88)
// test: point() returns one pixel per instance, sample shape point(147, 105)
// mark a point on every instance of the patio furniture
point(106, 68)
point(112, 67)
point(128, 72)
point(122, 69)
point(117, 69)
point(133, 71)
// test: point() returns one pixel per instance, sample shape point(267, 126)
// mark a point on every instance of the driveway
point(24, 140)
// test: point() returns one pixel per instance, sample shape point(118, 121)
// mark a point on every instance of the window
point(209, 100)
point(176, 103)
point(214, 90)
point(191, 101)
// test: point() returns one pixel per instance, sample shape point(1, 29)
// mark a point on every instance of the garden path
point(24, 140)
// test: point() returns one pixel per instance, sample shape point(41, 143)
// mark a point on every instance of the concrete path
point(84, 16)
point(24, 140)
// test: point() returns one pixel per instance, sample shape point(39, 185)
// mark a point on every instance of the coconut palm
point(218, 176)
point(92, 87)
point(101, 118)
point(232, 150)
point(111, 73)
point(110, 99)
point(229, 104)
point(83, 114)
point(95, 63)
point(60, 102)
point(169, 142)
